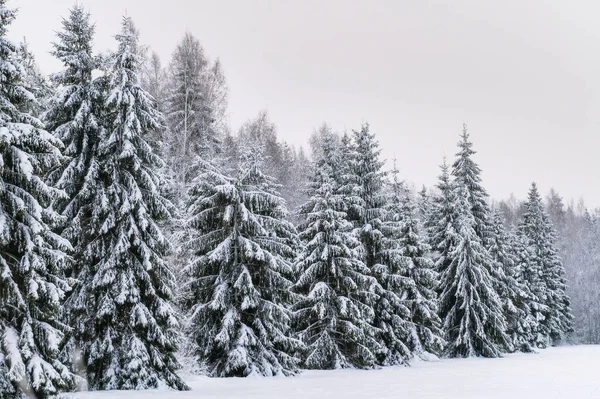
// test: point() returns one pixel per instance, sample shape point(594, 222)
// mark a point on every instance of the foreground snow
point(565, 372)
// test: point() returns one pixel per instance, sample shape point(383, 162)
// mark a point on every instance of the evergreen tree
point(467, 173)
point(367, 183)
point(153, 79)
point(470, 306)
point(425, 334)
point(544, 272)
point(517, 299)
point(123, 317)
point(381, 248)
point(424, 209)
point(73, 116)
point(407, 308)
point(33, 81)
point(239, 287)
point(31, 256)
point(333, 316)
point(439, 217)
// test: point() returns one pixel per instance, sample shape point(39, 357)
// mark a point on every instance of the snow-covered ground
point(564, 372)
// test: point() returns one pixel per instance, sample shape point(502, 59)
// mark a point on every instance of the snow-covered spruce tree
point(240, 276)
point(73, 116)
point(417, 278)
point(517, 299)
point(544, 272)
point(466, 172)
point(347, 179)
point(333, 317)
point(379, 249)
point(366, 181)
point(439, 216)
point(31, 256)
point(33, 81)
point(392, 310)
point(470, 307)
point(124, 321)
point(424, 209)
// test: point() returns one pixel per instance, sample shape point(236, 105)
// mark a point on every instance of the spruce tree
point(32, 258)
point(381, 239)
point(466, 172)
point(34, 81)
point(125, 323)
point(517, 299)
point(470, 306)
point(367, 183)
point(544, 272)
point(333, 316)
point(73, 116)
point(439, 216)
point(425, 334)
point(407, 307)
point(240, 275)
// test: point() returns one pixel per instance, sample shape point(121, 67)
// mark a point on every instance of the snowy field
point(565, 372)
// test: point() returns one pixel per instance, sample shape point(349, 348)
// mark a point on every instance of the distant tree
point(261, 132)
point(192, 133)
point(556, 210)
point(516, 297)
point(34, 81)
point(153, 79)
point(544, 272)
point(217, 91)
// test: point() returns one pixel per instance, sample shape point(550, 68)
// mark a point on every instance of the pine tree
point(73, 116)
point(367, 183)
point(34, 81)
point(239, 277)
point(424, 209)
point(425, 334)
point(125, 323)
point(439, 217)
point(470, 306)
point(333, 316)
point(379, 248)
point(517, 299)
point(466, 172)
point(407, 308)
point(544, 272)
point(31, 256)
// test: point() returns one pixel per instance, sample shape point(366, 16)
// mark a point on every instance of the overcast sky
point(524, 75)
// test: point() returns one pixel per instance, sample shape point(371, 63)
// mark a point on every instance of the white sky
point(524, 74)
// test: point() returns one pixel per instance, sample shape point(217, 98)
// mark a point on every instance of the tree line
point(136, 230)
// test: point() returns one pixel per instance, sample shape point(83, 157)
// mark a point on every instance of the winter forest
point(141, 235)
